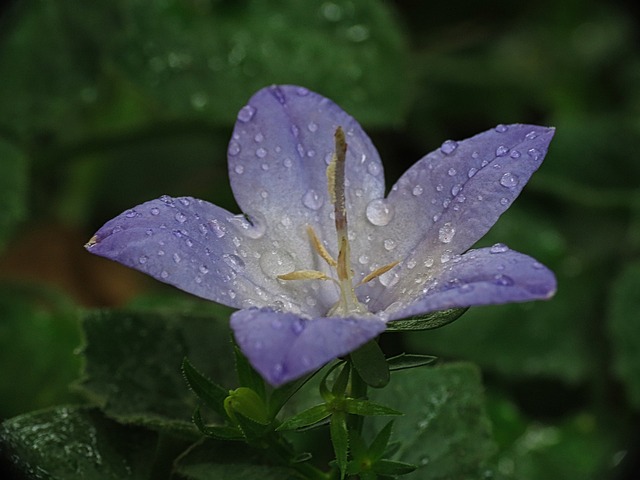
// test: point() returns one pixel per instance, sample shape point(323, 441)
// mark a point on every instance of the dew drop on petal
point(164, 274)
point(509, 180)
point(534, 153)
point(312, 199)
point(176, 258)
point(312, 126)
point(274, 263)
point(501, 151)
point(234, 261)
point(261, 152)
point(466, 288)
point(203, 269)
point(363, 259)
point(239, 169)
point(287, 162)
point(389, 244)
point(515, 154)
point(379, 213)
point(455, 190)
point(180, 217)
point(258, 137)
point(389, 279)
point(504, 201)
point(451, 172)
point(446, 233)
point(246, 113)
point(234, 148)
point(373, 168)
point(499, 248)
point(448, 147)
point(155, 211)
point(537, 265)
point(531, 135)
point(143, 259)
point(472, 171)
point(503, 280)
point(130, 213)
point(417, 190)
point(301, 91)
point(501, 128)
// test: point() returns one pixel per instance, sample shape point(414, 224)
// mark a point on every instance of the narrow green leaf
point(356, 406)
point(247, 376)
point(371, 365)
point(304, 419)
point(340, 440)
point(405, 361)
point(390, 467)
point(426, 322)
point(211, 394)
point(341, 382)
point(379, 444)
point(220, 432)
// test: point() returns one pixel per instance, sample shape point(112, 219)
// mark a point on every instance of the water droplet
point(130, 213)
point(303, 92)
point(164, 274)
point(534, 153)
point(312, 199)
point(389, 244)
point(531, 135)
point(417, 190)
point(509, 180)
point(264, 194)
point(446, 233)
point(167, 200)
point(258, 137)
point(143, 259)
point(252, 229)
point(155, 211)
point(373, 168)
point(503, 280)
point(234, 261)
point(499, 248)
point(261, 153)
point(466, 288)
point(363, 259)
point(451, 172)
point(472, 171)
point(203, 269)
point(515, 154)
point(239, 169)
point(246, 113)
point(501, 128)
point(300, 150)
point(439, 187)
point(446, 256)
point(278, 93)
point(160, 253)
point(455, 190)
point(537, 265)
point(218, 229)
point(265, 166)
point(501, 151)
point(312, 127)
point(378, 212)
point(234, 148)
point(180, 217)
point(504, 201)
point(311, 153)
point(287, 162)
point(448, 147)
point(176, 258)
point(389, 279)
point(276, 262)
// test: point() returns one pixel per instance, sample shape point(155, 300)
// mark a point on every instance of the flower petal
point(282, 346)
point(191, 244)
point(480, 277)
point(282, 143)
point(456, 193)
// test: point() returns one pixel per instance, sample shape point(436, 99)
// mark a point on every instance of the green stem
point(358, 390)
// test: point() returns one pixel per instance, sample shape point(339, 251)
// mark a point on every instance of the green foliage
point(371, 365)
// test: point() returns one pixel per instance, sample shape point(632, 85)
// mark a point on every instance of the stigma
point(348, 303)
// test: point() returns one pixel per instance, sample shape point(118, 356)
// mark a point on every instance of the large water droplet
point(379, 213)
point(509, 180)
point(499, 248)
point(446, 233)
point(501, 151)
point(276, 262)
point(389, 279)
point(448, 147)
point(246, 113)
point(312, 199)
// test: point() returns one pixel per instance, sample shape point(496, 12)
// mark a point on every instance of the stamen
point(92, 241)
point(305, 275)
point(377, 272)
point(319, 247)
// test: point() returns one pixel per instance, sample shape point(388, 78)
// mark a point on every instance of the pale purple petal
point(485, 276)
point(450, 198)
point(282, 143)
point(282, 346)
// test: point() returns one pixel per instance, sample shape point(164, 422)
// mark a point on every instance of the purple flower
point(321, 259)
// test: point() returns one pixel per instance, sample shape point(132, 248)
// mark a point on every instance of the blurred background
point(109, 103)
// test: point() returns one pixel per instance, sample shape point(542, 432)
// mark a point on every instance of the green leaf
point(625, 334)
point(77, 442)
point(379, 444)
point(427, 322)
point(247, 376)
point(445, 430)
point(405, 361)
point(340, 440)
point(133, 360)
point(247, 403)
point(220, 432)
point(371, 365)
point(304, 419)
point(13, 189)
point(390, 467)
point(356, 406)
point(211, 394)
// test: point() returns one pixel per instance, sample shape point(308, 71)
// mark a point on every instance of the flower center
point(348, 303)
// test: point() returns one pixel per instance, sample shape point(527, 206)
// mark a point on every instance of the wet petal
point(193, 245)
point(452, 197)
point(282, 346)
point(480, 277)
point(282, 143)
